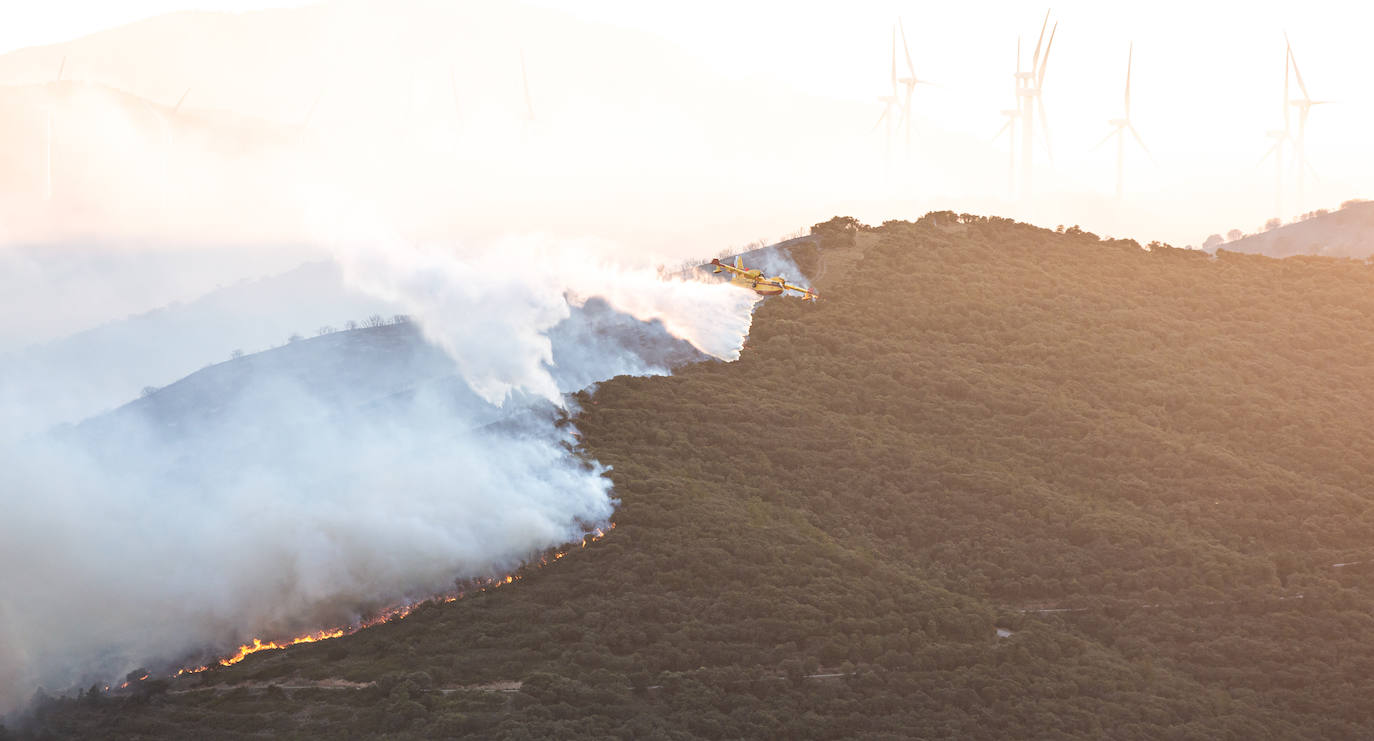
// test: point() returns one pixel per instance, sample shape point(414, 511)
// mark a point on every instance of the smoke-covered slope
point(1000, 483)
point(347, 373)
point(310, 487)
point(51, 383)
point(372, 370)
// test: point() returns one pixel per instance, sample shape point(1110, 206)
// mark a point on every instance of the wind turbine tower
point(1010, 127)
point(891, 103)
point(909, 82)
point(1280, 137)
point(1122, 125)
point(1304, 106)
point(525, 80)
point(1029, 84)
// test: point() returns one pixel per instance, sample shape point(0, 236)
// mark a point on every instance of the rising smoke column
point(523, 287)
point(127, 544)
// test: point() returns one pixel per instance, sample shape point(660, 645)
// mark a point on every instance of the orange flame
point(386, 615)
point(259, 645)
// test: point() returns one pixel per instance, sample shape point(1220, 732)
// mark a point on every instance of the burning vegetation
point(386, 615)
point(1034, 421)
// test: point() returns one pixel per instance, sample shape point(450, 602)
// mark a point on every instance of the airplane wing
point(727, 267)
point(807, 293)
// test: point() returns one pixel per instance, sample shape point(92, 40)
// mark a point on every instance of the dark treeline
point(1001, 482)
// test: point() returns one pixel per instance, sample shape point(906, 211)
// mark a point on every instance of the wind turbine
point(909, 82)
point(1029, 84)
point(1012, 114)
point(1121, 125)
point(310, 112)
point(1304, 106)
point(1280, 137)
point(304, 126)
point(165, 119)
point(165, 122)
point(890, 102)
point(525, 80)
point(177, 107)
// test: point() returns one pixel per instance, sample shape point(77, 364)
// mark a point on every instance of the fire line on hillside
point(389, 614)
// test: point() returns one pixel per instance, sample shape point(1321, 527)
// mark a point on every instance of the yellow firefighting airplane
point(754, 280)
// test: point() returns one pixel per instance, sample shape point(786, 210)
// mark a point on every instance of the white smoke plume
point(522, 287)
point(302, 488)
point(773, 261)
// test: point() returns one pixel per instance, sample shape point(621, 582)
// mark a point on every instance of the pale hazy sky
point(1207, 76)
point(35, 24)
point(1207, 80)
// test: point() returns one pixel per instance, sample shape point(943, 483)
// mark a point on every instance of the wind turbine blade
point(61, 68)
point(894, 60)
point(1045, 128)
point(525, 80)
point(1109, 135)
point(1287, 65)
point(1018, 56)
point(1271, 151)
point(1035, 58)
point(1005, 126)
point(180, 100)
point(905, 49)
point(1313, 171)
point(879, 122)
point(1296, 72)
point(1040, 76)
point(1140, 141)
point(1130, 51)
point(310, 113)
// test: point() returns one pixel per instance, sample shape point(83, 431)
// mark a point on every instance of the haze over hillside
point(361, 465)
point(421, 111)
point(52, 383)
point(999, 483)
point(359, 376)
point(421, 108)
point(59, 290)
point(1348, 232)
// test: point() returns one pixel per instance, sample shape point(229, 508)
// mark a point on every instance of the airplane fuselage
point(757, 283)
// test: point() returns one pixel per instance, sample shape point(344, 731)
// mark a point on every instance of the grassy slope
point(980, 420)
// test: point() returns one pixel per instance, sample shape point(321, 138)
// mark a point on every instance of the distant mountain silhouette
point(1348, 232)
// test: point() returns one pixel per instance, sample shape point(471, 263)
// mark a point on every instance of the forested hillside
point(1000, 482)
